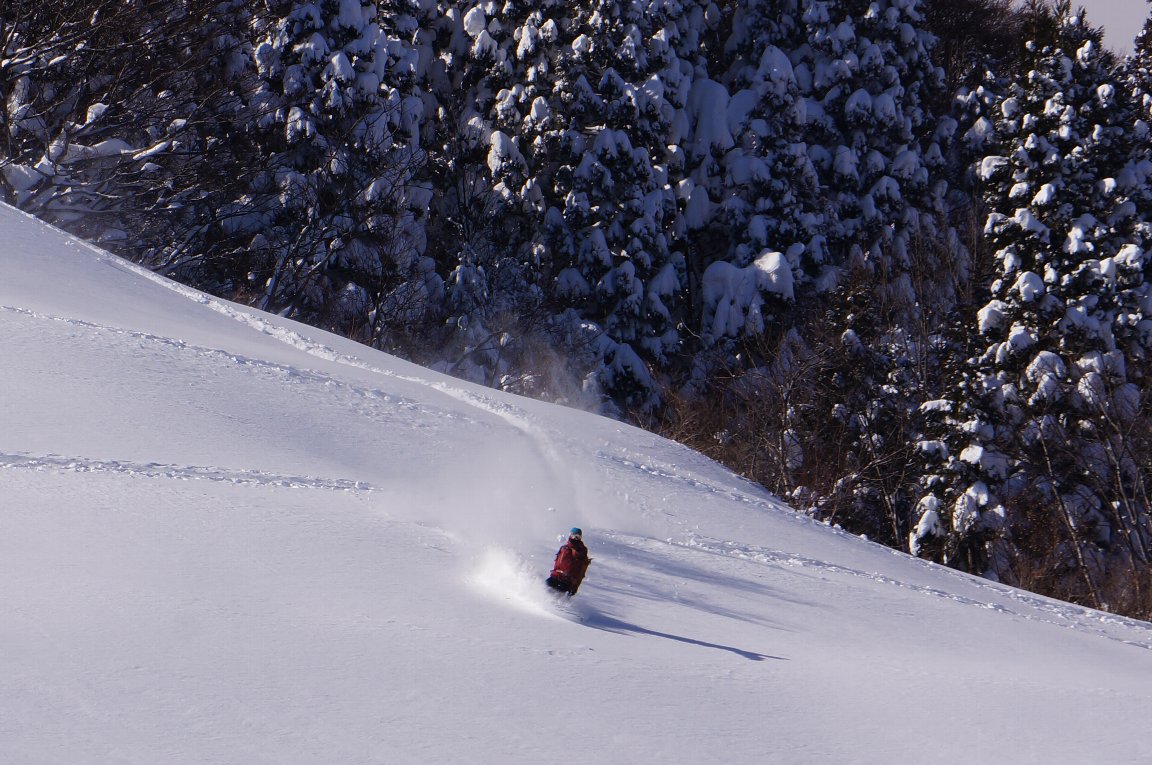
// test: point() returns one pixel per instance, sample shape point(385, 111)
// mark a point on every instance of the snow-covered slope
point(229, 538)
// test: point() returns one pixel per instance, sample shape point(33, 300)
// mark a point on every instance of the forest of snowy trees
point(890, 258)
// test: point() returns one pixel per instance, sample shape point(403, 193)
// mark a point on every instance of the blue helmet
point(576, 532)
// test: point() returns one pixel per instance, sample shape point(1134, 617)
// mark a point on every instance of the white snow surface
point(229, 538)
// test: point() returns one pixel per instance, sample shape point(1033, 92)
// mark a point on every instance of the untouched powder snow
point(229, 538)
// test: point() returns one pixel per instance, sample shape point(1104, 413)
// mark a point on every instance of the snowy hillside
point(228, 538)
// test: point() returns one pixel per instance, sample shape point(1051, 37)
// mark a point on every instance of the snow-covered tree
point(483, 71)
point(1033, 438)
point(106, 109)
point(883, 260)
point(970, 34)
point(620, 91)
point(867, 76)
point(1142, 45)
point(768, 197)
point(327, 206)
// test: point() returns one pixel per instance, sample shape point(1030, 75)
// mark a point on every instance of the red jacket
point(571, 563)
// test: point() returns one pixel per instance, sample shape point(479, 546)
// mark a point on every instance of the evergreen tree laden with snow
point(327, 206)
point(612, 220)
point(868, 81)
point(1035, 446)
point(866, 74)
point(489, 131)
point(769, 201)
point(971, 34)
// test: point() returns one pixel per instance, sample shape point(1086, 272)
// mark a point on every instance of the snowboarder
point(571, 564)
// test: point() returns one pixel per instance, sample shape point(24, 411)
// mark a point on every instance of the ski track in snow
point(698, 484)
point(753, 496)
point(1053, 612)
point(522, 584)
point(514, 415)
point(63, 463)
point(281, 370)
point(518, 418)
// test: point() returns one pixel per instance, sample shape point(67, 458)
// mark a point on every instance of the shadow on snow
point(607, 623)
